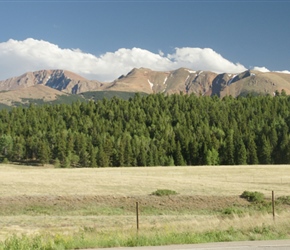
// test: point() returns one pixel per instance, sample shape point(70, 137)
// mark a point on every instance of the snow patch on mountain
point(231, 80)
point(151, 84)
point(165, 80)
point(47, 79)
point(191, 71)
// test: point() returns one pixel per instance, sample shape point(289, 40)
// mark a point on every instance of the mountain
point(50, 85)
point(61, 80)
point(202, 82)
point(170, 82)
point(257, 82)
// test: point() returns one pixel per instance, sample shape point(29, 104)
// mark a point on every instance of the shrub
point(284, 200)
point(253, 196)
point(232, 210)
point(164, 192)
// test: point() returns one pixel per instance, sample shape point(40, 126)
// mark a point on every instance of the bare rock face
point(141, 80)
point(25, 80)
point(201, 83)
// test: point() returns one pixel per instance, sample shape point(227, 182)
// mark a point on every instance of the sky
point(105, 39)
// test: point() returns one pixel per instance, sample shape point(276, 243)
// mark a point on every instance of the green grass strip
point(90, 238)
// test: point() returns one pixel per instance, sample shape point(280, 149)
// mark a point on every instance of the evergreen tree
point(18, 150)
point(229, 149)
point(252, 157)
point(6, 145)
point(266, 151)
point(178, 158)
point(241, 153)
point(43, 152)
point(212, 157)
point(92, 156)
point(102, 158)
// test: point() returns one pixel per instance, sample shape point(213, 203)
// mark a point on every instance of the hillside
point(22, 95)
point(258, 83)
point(50, 85)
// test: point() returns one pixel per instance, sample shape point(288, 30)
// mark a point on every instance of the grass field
point(204, 180)
point(50, 200)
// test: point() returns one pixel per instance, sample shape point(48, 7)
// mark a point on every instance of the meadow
point(96, 207)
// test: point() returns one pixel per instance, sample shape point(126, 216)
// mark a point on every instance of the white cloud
point(265, 70)
point(261, 69)
point(18, 57)
point(204, 59)
point(160, 52)
point(283, 71)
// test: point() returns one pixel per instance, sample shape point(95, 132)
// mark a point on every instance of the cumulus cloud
point(283, 71)
point(18, 57)
point(265, 70)
point(261, 69)
point(204, 59)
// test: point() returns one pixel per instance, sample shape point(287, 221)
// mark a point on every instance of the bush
point(253, 196)
point(284, 200)
point(232, 210)
point(164, 192)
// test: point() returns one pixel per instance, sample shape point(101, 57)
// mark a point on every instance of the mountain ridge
point(60, 82)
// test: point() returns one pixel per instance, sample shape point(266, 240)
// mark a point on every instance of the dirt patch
point(68, 203)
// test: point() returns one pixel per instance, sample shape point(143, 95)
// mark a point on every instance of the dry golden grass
point(187, 223)
point(202, 180)
point(47, 181)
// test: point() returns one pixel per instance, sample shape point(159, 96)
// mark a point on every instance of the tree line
point(149, 131)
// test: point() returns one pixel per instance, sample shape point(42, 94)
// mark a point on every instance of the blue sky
point(165, 34)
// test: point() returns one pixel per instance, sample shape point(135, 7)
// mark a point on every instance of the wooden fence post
point(273, 205)
point(137, 215)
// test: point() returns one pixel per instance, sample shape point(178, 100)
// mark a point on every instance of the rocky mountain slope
point(256, 82)
point(176, 81)
point(61, 80)
point(50, 84)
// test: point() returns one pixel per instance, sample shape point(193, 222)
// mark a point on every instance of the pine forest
point(153, 130)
